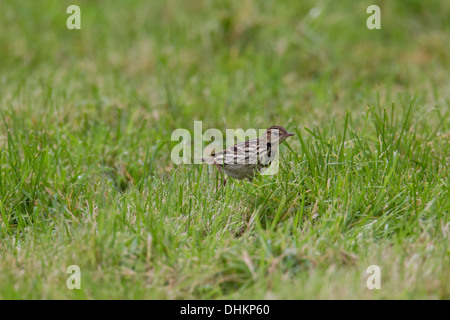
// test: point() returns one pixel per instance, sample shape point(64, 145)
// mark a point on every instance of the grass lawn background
point(85, 171)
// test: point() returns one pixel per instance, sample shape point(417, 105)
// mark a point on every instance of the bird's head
point(277, 134)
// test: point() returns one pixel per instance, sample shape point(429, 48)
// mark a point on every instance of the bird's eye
point(275, 133)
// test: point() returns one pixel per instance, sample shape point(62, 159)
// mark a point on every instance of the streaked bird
point(246, 158)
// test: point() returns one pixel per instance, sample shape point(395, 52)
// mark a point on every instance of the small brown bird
point(244, 159)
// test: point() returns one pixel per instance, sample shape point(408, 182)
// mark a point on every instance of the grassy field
point(86, 176)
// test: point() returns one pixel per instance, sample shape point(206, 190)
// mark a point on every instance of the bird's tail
point(204, 160)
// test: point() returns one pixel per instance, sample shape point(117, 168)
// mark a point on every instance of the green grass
point(86, 177)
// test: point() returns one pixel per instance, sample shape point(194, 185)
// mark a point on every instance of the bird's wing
point(242, 153)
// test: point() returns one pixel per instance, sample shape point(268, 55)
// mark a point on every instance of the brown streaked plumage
point(246, 158)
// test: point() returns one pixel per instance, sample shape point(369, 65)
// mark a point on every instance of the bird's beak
point(289, 134)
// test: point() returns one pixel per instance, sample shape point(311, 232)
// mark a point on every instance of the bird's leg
point(221, 173)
